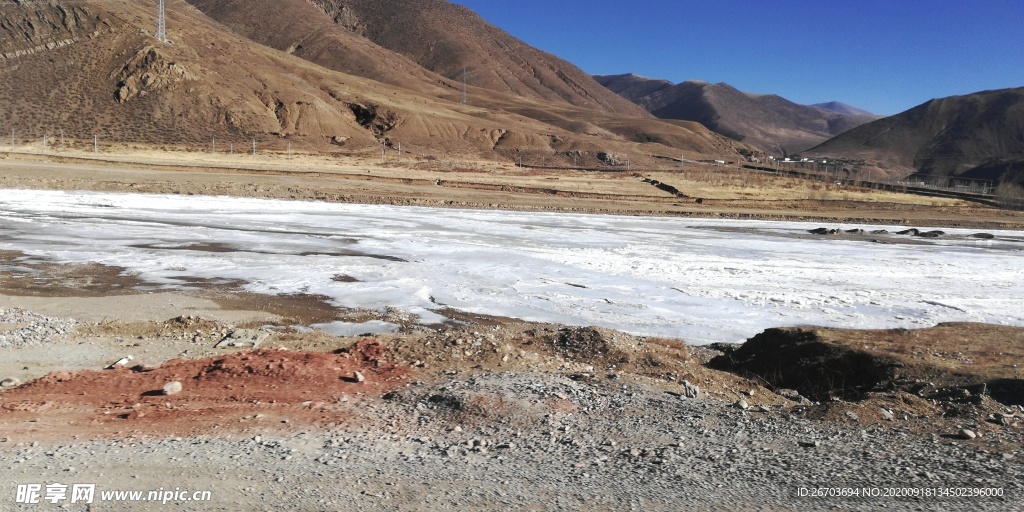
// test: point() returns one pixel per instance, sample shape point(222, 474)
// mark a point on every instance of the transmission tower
point(161, 23)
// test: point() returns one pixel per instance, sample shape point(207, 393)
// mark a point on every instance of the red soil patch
point(219, 392)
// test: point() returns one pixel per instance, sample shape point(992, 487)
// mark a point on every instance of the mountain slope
point(633, 87)
point(334, 41)
point(446, 38)
point(95, 69)
point(767, 121)
point(977, 135)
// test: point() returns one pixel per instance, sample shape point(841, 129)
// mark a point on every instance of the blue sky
point(882, 56)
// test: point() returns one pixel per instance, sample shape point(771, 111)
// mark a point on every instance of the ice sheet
point(695, 279)
point(355, 329)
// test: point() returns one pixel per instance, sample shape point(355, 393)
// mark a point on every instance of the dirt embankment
point(952, 370)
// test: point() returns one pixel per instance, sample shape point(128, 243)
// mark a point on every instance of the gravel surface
point(20, 328)
point(535, 441)
point(546, 433)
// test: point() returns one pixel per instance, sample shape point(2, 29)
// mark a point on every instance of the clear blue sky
point(884, 56)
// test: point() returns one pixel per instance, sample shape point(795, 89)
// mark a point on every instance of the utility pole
point(161, 23)
point(289, 151)
point(95, 144)
point(213, 144)
point(399, 148)
point(463, 85)
point(12, 137)
point(254, 147)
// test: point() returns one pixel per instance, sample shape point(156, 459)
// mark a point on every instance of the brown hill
point(446, 38)
point(94, 68)
point(977, 135)
point(767, 121)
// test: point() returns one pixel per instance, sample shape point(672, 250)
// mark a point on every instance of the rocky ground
point(489, 414)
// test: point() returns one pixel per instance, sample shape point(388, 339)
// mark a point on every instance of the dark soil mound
point(798, 359)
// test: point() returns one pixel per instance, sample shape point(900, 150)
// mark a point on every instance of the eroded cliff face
point(32, 27)
point(148, 70)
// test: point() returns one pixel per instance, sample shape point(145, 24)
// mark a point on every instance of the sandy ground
point(730, 193)
point(482, 413)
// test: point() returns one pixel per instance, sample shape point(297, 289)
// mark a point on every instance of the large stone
point(172, 388)
point(10, 382)
point(691, 390)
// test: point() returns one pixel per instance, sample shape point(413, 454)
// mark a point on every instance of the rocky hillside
point(96, 69)
point(447, 39)
point(766, 121)
point(978, 135)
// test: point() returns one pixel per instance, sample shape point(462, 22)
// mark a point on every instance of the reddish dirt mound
point(259, 388)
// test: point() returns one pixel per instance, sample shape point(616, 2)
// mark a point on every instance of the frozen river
point(696, 279)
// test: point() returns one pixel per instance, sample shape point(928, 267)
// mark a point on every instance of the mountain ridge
point(978, 135)
point(768, 121)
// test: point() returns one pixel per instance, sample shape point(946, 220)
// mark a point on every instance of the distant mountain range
point(843, 108)
point(767, 121)
point(978, 135)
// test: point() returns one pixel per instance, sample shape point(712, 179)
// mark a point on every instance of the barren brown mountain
point(978, 135)
point(504, 75)
point(448, 39)
point(767, 121)
point(94, 68)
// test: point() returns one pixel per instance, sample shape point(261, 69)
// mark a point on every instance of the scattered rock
point(120, 362)
point(791, 394)
point(810, 444)
point(983, 236)
point(172, 388)
point(243, 338)
point(9, 383)
point(886, 414)
point(852, 415)
point(24, 328)
point(742, 404)
point(967, 434)
point(1001, 419)
point(690, 390)
point(358, 376)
